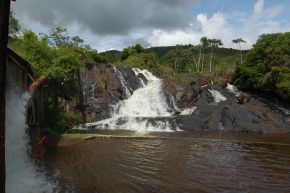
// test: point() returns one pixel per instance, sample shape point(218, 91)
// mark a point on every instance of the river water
point(175, 162)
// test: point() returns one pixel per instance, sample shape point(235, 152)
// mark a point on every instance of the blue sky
point(246, 6)
point(115, 24)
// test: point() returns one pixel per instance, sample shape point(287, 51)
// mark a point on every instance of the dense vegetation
point(181, 61)
point(59, 58)
point(267, 66)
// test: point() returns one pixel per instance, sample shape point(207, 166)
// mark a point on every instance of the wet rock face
point(102, 88)
point(184, 94)
point(252, 116)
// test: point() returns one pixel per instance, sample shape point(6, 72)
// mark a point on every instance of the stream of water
point(22, 175)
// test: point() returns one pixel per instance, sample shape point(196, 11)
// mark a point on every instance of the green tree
point(14, 26)
point(59, 65)
point(213, 43)
point(239, 41)
point(204, 44)
point(58, 37)
point(267, 66)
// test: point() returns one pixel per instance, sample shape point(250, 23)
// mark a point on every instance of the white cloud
point(223, 25)
point(258, 9)
point(214, 27)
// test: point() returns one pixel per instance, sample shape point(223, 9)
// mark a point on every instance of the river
point(175, 162)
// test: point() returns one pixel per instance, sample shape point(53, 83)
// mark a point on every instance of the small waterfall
point(122, 80)
point(22, 176)
point(217, 96)
point(188, 111)
point(145, 110)
point(185, 111)
point(233, 89)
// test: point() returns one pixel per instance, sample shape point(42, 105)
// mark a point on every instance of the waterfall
point(233, 89)
point(145, 110)
point(217, 96)
point(22, 176)
point(185, 111)
point(122, 80)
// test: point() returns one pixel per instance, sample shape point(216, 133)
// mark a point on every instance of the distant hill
point(163, 50)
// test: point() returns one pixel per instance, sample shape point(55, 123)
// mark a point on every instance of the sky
point(115, 24)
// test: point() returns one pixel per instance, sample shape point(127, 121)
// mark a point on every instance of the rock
point(254, 117)
point(103, 88)
point(243, 98)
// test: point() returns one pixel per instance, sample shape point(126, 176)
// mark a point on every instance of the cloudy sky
point(115, 24)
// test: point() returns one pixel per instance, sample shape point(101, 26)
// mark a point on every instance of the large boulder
point(254, 116)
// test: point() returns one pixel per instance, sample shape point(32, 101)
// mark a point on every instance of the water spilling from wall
point(22, 175)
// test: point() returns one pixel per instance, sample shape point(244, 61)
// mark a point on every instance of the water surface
point(176, 162)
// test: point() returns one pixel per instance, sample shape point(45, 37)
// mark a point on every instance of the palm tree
point(239, 41)
point(213, 43)
point(204, 43)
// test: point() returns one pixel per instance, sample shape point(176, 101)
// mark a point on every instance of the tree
point(239, 41)
point(213, 43)
point(58, 65)
point(131, 51)
point(204, 44)
point(267, 66)
point(58, 37)
point(14, 26)
point(125, 54)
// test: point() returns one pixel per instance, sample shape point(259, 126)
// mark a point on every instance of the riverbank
point(266, 139)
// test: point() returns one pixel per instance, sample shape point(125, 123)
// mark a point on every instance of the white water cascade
point(145, 110)
point(122, 80)
point(22, 176)
point(233, 89)
point(217, 96)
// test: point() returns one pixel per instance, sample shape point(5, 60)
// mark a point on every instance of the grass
point(76, 135)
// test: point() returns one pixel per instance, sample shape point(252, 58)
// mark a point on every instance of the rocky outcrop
point(215, 108)
point(231, 115)
point(103, 87)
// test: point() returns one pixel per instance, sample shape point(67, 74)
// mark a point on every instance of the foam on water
point(188, 111)
point(141, 108)
point(217, 96)
point(22, 176)
point(233, 89)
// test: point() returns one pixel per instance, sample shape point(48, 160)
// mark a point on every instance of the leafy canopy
point(267, 65)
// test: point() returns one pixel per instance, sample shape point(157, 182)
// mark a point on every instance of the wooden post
point(4, 24)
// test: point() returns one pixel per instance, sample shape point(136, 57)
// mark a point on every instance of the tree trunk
point(210, 59)
point(202, 63)
point(241, 53)
point(199, 58)
point(4, 25)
